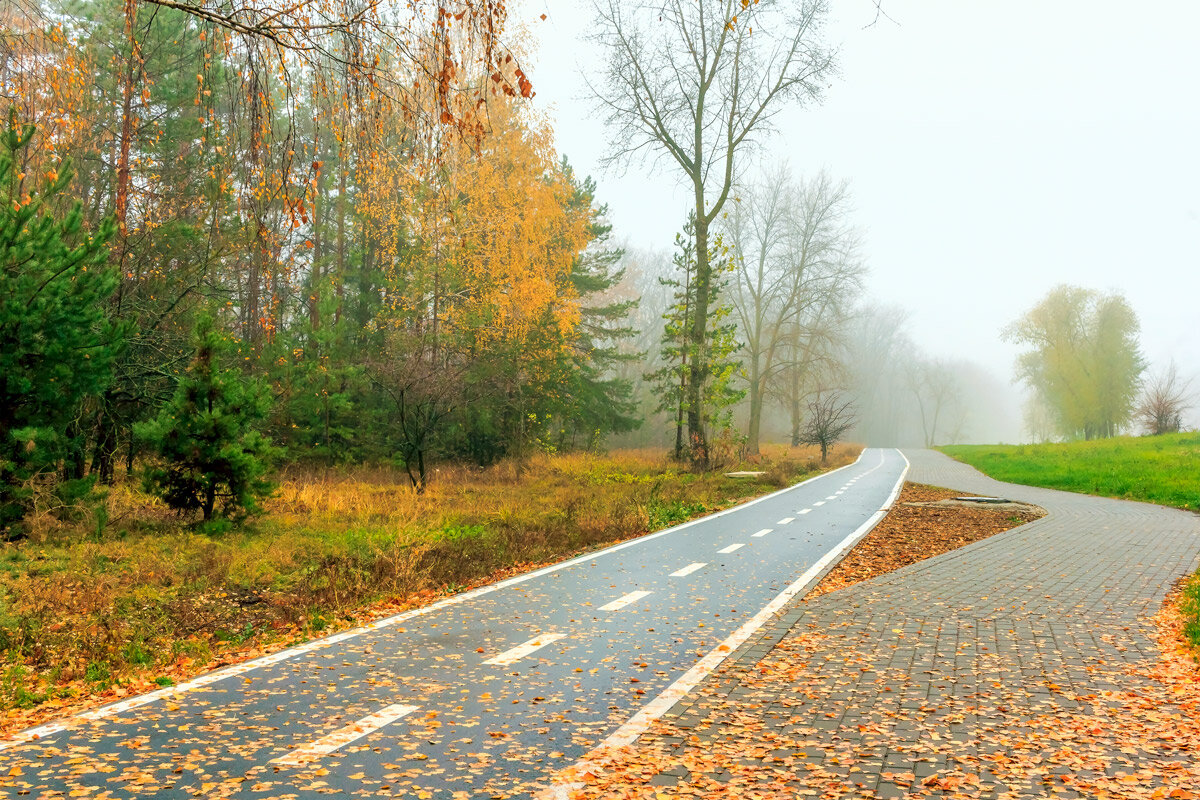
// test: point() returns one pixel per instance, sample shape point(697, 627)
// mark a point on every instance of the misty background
point(991, 152)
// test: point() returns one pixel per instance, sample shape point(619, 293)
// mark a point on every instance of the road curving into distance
point(489, 693)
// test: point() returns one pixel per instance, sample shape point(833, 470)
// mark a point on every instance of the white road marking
point(804, 511)
point(520, 651)
point(732, 547)
point(177, 691)
point(344, 736)
point(818, 503)
point(621, 602)
point(786, 521)
point(571, 779)
point(832, 497)
point(689, 569)
point(761, 533)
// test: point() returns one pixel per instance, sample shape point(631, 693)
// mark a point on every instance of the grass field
point(127, 595)
point(1156, 469)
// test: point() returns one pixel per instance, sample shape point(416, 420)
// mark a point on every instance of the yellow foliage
point(490, 233)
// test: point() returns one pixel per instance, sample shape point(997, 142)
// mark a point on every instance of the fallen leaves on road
point(829, 714)
point(911, 533)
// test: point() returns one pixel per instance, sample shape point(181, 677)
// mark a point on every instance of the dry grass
point(87, 610)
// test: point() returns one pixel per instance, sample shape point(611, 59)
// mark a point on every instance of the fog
point(993, 150)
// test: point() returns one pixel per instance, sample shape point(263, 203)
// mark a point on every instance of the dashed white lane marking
point(786, 521)
point(832, 497)
point(621, 602)
point(520, 651)
point(804, 511)
point(761, 533)
point(569, 780)
point(732, 547)
point(689, 569)
point(818, 503)
point(344, 736)
point(202, 681)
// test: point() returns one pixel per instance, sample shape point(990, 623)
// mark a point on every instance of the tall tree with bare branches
point(798, 270)
point(696, 83)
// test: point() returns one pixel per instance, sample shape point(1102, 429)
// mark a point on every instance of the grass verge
point(1157, 469)
point(128, 597)
point(1189, 609)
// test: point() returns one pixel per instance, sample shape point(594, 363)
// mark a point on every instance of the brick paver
point(932, 669)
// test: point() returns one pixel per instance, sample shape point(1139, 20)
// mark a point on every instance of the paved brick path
point(934, 669)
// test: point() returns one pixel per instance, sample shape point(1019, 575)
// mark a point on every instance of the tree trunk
point(210, 499)
point(756, 404)
point(697, 435)
point(105, 452)
point(73, 461)
point(252, 312)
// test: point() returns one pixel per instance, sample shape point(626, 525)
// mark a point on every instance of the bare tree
point(935, 385)
point(1164, 399)
point(695, 81)
point(797, 267)
point(829, 417)
point(875, 354)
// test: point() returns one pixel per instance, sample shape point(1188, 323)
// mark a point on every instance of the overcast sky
point(994, 149)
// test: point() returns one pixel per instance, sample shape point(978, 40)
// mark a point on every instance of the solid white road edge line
point(344, 736)
point(689, 569)
point(639, 722)
point(42, 731)
point(624, 600)
point(515, 654)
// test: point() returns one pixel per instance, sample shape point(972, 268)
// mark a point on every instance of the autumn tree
point(695, 82)
point(487, 291)
point(1084, 360)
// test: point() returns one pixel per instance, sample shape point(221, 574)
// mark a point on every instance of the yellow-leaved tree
point(480, 307)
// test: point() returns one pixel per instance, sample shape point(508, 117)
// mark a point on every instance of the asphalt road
point(486, 694)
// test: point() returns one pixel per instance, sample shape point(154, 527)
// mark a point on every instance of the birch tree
point(696, 83)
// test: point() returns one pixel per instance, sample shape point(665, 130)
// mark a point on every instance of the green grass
point(1155, 469)
point(1190, 608)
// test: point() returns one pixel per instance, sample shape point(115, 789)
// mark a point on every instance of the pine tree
point(207, 438)
point(598, 403)
point(56, 342)
point(673, 379)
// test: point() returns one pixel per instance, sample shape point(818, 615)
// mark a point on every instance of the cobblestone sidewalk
point(933, 679)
